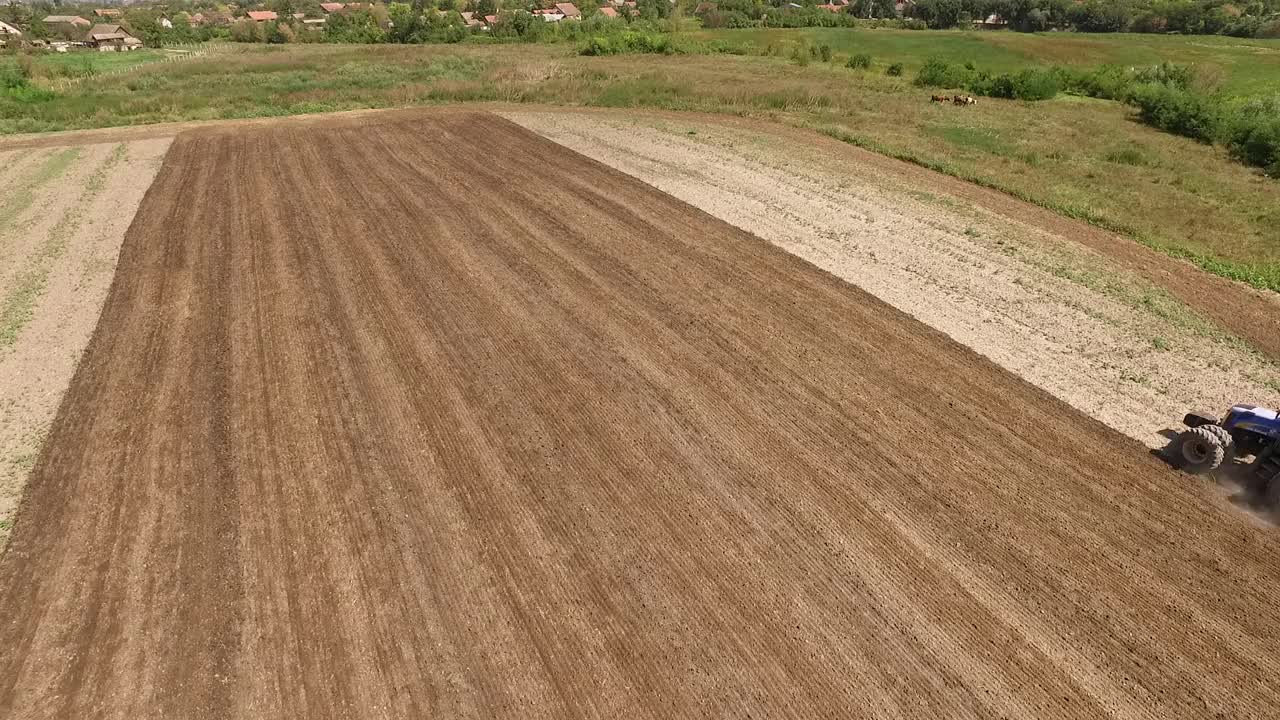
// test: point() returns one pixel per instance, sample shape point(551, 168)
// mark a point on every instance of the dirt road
point(384, 422)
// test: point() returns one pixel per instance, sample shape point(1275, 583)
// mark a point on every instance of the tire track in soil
point(380, 449)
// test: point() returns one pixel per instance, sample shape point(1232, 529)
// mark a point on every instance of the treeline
point(1258, 18)
point(1165, 96)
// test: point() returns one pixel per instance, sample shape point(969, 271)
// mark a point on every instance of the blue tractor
point(1246, 430)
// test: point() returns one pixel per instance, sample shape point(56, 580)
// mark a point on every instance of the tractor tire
point(1265, 476)
point(1224, 438)
point(1198, 451)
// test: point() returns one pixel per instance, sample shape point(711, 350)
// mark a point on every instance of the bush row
point(631, 41)
point(1029, 84)
point(1164, 96)
point(1250, 131)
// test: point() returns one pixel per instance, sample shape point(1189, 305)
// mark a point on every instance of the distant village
point(122, 29)
point(109, 30)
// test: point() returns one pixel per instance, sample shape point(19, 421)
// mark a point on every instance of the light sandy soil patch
point(67, 210)
point(1056, 313)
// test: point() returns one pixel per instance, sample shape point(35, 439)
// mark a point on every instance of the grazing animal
point(940, 98)
point(965, 100)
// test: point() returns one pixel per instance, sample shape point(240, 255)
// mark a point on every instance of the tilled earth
point(429, 416)
point(1040, 299)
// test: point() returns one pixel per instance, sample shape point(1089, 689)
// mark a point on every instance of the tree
point(1101, 16)
point(939, 14)
point(353, 27)
point(244, 30)
point(406, 23)
point(37, 29)
point(874, 8)
point(653, 9)
point(182, 31)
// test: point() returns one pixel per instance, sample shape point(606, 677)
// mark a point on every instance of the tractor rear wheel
point(1265, 474)
point(1224, 437)
point(1198, 450)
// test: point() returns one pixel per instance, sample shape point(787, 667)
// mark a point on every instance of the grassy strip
point(18, 307)
point(21, 199)
point(1263, 277)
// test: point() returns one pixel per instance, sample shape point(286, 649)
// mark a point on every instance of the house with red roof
point(608, 12)
point(569, 10)
point(331, 7)
point(262, 15)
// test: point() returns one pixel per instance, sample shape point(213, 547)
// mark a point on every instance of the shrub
point(860, 61)
point(27, 66)
point(940, 73)
point(894, 70)
point(1031, 84)
point(1177, 111)
point(1175, 76)
point(629, 42)
point(597, 45)
point(11, 78)
point(244, 30)
point(1269, 30)
point(824, 52)
point(1253, 134)
point(1108, 82)
point(800, 55)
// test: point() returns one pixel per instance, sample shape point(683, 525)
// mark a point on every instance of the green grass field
point(86, 64)
point(1238, 67)
point(1081, 157)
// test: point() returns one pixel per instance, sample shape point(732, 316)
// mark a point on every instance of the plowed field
point(431, 417)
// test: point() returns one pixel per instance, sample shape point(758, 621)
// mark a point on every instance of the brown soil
point(1251, 314)
point(381, 421)
point(1062, 316)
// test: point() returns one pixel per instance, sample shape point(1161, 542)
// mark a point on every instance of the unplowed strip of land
point(435, 418)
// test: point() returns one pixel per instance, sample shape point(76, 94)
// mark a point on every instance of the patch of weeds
point(981, 139)
point(18, 306)
point(1136, 378)
point(970, 232)
point(97, 182)
point(24, 462)
point(858, 61)
point(1270, 383)
point(21, 199)
point(1128, 156)
point(1161, 344)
